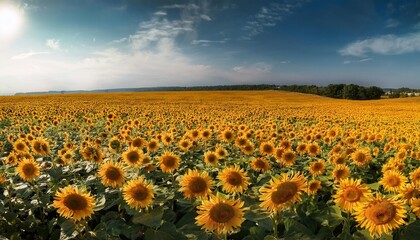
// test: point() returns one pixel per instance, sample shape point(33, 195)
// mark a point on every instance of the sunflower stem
point(275, 224)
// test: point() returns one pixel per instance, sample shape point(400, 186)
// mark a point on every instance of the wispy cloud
point(257, 67)
point(160, 13)
point(385, 45)
point(270, 16)
point(392, 23)
point(118, 41)
point(27, 55)
point(53, 44)
point(357, 61)
point(205, 17)
point(206, 43)
point(182, 6)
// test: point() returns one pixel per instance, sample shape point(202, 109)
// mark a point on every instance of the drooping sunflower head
point(234, 179)
point(2, 178)
point(380, 215)
point(133, 157)
point(220, 215)
point(350, 193)
point(409, 192)
point(260, 164)
point(138, 193)
point(28, 169)
point(168, 162)
point(112, 174)
point(92, 153)
point(211, 158)
point(415, 176)
point(393, 181)
point(73, 203)
point(283, 192)
point(195, 184)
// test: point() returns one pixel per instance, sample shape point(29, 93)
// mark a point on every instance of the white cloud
point(27, 55)
point(118, 41)
point(392, 23)
point(205, 17)
point(204, 42)
point(385, 45)
point(182, 6)
point(160, 13)
point(254, 68)
point(358, 61)
point(53, 44)
point(270, 16)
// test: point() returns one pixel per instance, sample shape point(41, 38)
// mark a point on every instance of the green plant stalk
point(275, 224)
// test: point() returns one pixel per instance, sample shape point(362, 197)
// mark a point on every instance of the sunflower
point(221, 215)
point(11, 159)
point(314, 186)
point(301, 148)
point(338, 159)
point(221, 152)
point(114, 145)
point(361, 157)
point(380, 215)
point(393, 181)
point(185, 145)
point(138, 193)
point(288, 158)
point(28, 169)
point(112, 174)
point(168, 162)
point(248, 148)
point(283, 192)
point(415, 206)
point(267, 148)
point(195, 184)
point(20, 146)
point(92, 153)
point(40, 147)
point(137, 142)
point(2, 178)
point(73, 203)
point(409, 192)
point(67, 157)
point(350, 193)
point(211, 158)
point(260, 164)
point(401, 154)
point(241, 141)
point(133, 157)
point(234, 180)
point(415, 176)
point(317, 168)
point(167, 139)
point(340, 172)
point(152, 145)
point(205, 134)
point(227, 135)
point(313, 149)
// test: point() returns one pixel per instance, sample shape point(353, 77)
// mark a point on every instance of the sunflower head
point(350, 193)
point(314, 186)
point(260, 164)
point(340, 172)
point(288, 158)
point(133, 157)
point(138, 193)
point(211, 158)
point(380, 215)
point(168, 162)
point(73, 203)
point(195, 184)
point(28, 169)
point(393, 181)
point(317, 168)
point(361, 157)
point(267, 148)
point(220, 215)
point(234, 179)
point(112, 174)
point(313, 149)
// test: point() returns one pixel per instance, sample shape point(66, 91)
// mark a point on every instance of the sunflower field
point(208, 165)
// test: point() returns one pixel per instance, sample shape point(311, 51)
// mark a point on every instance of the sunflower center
point(184, 144)
point(288, 157)
point(140, 192)
point(313, 149)
point(393, 181)
point(168, 161)
point(197, 185)
point(360, 157)
point(75, 202)
point(113, 173)
point(317, 166)
point(211, 158)
point(20, 146)
point(267, 148)
point(222, 213)
point(234, 178)
point(28, 169)
point(228, 135)
point(152, 144)
point(260, 163)
point(133, 157)
point(352, 194)
point(284, 192)
point(381, 213)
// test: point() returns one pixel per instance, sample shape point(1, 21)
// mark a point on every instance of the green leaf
point(270, 237)
point(68, 227)
point(100, 203)
point(362, 235)
point(157, 235)
point(374, 186)
point(330, 216)
point(411, 231)
point(296, 230)
point(152, 218)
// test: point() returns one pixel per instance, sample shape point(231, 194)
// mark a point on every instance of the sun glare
point(11, 19)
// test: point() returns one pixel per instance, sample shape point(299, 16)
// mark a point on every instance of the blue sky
point(98, 44)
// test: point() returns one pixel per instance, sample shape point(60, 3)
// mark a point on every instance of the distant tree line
point(402, 92)
point(342, 91)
